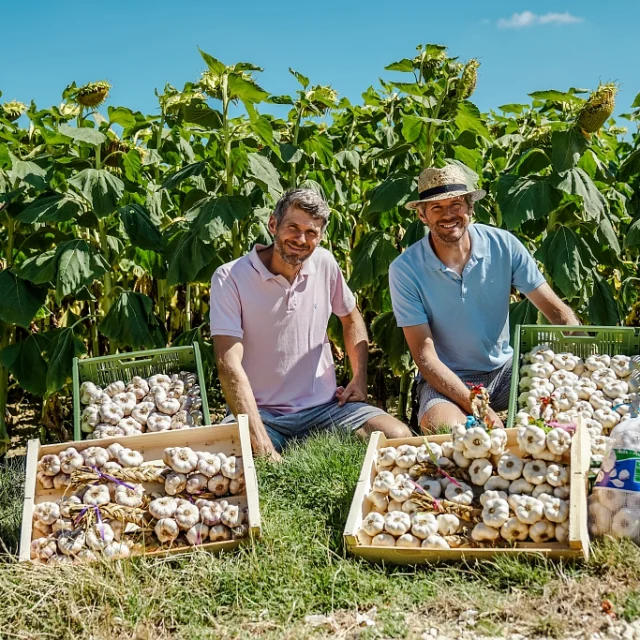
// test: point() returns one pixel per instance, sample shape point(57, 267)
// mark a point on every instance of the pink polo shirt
point(287, 355)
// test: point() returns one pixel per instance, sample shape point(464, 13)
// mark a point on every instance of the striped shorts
point(498, 384)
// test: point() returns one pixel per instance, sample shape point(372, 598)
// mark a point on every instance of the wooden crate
point(577, 546)
point(231, 439)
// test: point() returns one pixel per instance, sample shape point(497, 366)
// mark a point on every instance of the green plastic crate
point(610, 340)
point(124, 366)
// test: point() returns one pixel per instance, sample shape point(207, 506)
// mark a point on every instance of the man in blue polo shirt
point(450, 294)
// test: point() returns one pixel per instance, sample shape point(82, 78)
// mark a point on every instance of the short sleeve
point(225, 313)
point(343, 301)
point(525, 274)
point(405, 298)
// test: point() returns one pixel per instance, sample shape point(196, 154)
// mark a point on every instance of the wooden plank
point(231, 439)
point(578, 457)
point(250, 477)
point(362, 488)
point(33, 450)
point(578, 517)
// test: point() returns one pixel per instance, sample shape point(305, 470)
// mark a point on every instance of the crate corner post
point(33, 454)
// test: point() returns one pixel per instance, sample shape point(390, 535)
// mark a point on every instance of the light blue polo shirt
point(468, 315)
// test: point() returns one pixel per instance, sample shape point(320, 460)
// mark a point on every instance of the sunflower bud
point(92, 94)
point(210, 84)
point(12, 110)
point(469, 79)
point(598, 108)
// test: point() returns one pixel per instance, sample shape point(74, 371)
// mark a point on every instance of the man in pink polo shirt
point(269, 316)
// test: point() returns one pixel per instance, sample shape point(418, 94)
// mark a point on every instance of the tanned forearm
point(562, 315)
point(356, 343)
point(239, 396)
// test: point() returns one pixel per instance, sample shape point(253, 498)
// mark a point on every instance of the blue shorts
point(325, 417)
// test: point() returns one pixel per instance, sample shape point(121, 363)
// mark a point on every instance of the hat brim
point(476, 195)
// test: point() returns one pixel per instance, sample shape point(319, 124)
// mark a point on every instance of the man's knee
point(441, 416)
point(390, 426)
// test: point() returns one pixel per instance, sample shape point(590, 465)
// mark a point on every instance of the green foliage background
point(112, 221)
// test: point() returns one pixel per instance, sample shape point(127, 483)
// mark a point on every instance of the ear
point(272, 224)
point(422, 216)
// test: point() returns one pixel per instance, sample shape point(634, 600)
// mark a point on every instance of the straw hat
point(439, 184)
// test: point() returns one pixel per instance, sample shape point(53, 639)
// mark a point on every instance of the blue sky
point(139, 45)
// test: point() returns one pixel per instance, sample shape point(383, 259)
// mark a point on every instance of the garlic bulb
point(114, 388)
point(96, 495)
point(533, 440)
point(461, 493)
point(117, 551)
point(529, 510)
point(480, 471)
point(535, 472)
point(406, 455)
point(387, 457)
point(424, 525)
point(491, 495)
point(70, 460)
point(383, 540)
point(187, 515)
point(397, 522)
point(510, 466)
point(211, 513)
point(373, 524)
point(182, 460)
point(513, 530)
point(408, 540)
point(89, 392)
point(129, 497)
point(45, 481)
point(46, 512)
point(49, 464)
point(197, 534)
point(164, 507)
point(495, 512)
point(219, 533)
point(542, 531)
point(477, 442)
point(71, 542)
point(130, 458)
point(448, 524)
point(626, 524)
point(166, 530)
point(232, 468)
point(232, 516)
point(384, 481)
point(158, 422)
point(139, 387)
point(401, 490)
point(219, 485)
point(175, 483)
point(99, 535)
point(556, 510)
point(95, 456)
point(481, 532)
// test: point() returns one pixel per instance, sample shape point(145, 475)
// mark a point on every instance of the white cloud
point(530, 19)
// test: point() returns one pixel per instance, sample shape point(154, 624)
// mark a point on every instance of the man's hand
point(355, 391)
point(267, 450)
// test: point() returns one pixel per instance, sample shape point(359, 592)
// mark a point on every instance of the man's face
point(447, 219)
point(296, 236)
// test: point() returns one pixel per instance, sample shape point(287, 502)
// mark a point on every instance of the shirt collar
point(308, 266)
point(478, 249)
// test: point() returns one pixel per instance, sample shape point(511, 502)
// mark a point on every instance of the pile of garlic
point(595, 389)
point(158, 403)
point(190, 510)
point(507, 497)
point(614, 505)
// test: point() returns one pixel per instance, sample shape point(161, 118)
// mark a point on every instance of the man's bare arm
point(550, 305)
point(237, 391)
point(356, 342)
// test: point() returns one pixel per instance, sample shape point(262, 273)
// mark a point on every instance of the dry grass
point(300, 567)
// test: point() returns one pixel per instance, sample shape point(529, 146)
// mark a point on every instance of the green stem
point(187, 308)
point(4, 390)
point(95, 338)
point(296, 132)
point(11, 230)
point(158, 145)
point(227, 135)
point(162, 310)
point(403, 396)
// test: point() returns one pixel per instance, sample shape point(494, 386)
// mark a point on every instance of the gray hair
point(308, 200)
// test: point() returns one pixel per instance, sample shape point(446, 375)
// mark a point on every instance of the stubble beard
point(287, 258)
point(448, 238)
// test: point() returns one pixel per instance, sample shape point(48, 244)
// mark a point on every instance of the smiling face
point(447, 219)
point(296, 236)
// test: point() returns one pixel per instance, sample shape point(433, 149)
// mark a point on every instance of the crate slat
point(576, 548)
point(231, 439)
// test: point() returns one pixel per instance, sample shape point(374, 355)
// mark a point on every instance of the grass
point(300, 567)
